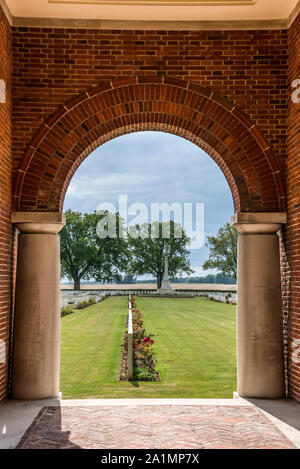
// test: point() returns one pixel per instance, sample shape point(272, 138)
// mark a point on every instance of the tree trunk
point(159, 279)
point(77, 283)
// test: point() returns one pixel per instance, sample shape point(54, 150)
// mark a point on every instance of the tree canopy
point(223, 251)
point(150, 242)
point(85, 255)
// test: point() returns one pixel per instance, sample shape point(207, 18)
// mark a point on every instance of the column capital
point(258, 222)
point(38, 222)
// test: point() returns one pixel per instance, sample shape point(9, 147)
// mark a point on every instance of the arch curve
point(184, 108)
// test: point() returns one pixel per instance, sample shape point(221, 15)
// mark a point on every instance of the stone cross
point(166, 272)
point(166, 288)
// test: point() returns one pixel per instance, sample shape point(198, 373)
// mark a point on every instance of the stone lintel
point(156, 25)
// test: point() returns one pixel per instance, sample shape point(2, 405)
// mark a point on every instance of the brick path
point(186, 427)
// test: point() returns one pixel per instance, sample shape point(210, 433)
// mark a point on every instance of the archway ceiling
point(163, 10)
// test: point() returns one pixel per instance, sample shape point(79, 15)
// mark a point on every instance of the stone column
point(259, 311)
point(36, 352)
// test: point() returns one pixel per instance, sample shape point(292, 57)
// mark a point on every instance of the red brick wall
point(250, 68)
point(149, 103)
point(53, 65)
point(293, 228)
point(5, 196)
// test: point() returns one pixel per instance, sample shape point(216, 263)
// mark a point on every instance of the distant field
point(152, 286)
point(195, 349)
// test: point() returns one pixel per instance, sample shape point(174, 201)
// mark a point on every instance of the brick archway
point(187, 109)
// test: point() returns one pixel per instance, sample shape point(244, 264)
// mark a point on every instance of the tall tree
point(223, 251)
point(150, 242)
point(85, 255)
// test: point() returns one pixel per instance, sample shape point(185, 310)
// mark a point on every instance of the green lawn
point(195, 348)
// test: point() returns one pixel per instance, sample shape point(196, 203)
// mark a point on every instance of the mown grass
point(195, 349)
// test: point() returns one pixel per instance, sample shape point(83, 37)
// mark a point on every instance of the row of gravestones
point(230, 298)
point(81, 298)
point(223, 297)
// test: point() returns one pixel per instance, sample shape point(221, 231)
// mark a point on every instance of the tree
point(127, 280)
point(223, 251)
point(84, 255)
point(148, 246)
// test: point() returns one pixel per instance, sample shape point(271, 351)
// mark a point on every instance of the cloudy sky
point(153, 167)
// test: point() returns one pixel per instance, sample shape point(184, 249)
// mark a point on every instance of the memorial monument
point(166, 288)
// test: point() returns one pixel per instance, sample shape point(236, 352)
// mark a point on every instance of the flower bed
point(66, 310)
point(84, 304)
point(143, 346)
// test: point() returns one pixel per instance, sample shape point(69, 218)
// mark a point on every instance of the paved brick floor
point(153, 427)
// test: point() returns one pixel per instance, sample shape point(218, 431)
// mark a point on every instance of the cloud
point(153, 167)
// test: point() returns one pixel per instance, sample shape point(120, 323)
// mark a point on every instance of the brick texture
point(292, 291)
point(51, 66)
point(226, 91)
point(175, 106)
point(5, 199)
point(142, 427)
